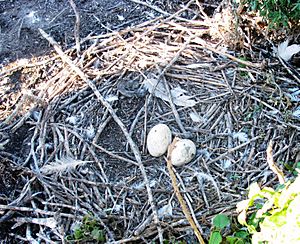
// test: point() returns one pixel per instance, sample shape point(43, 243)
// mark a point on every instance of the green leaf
point(215, 238)
point(276, 220)
point(241, 234)
point(98, 235)
point(221, 221)
point(289, 167)
point(231, 239)
point(78, 234)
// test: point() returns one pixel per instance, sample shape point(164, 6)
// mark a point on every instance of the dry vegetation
point(79, 120)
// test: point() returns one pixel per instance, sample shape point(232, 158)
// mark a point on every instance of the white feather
point(165, 211)
point(178, 95)
point(286, 52)
point(90, 132)
point(225, 164)
point(63, 165)
point(73, 120)
point(296, 113)
point(111, 98)
point(241, 136)
point(195, 117)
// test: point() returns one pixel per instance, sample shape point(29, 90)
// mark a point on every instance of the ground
point(53, 123)
point(20, 38)
point(20, 21)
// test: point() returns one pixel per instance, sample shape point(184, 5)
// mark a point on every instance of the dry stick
point(175, 58)
point(76, 27)
point(143, 25)
point(272, 163)
point(203, 45)
point(95, 145)
point(288, 70)
point(145, 123)
point(262, 102)
point(134, 123)
point(36, 210)
point(19, 65)
point(150, 6)
point(226, 81)
point(114, 155)
point(188, 199)
point(133, 146)
point(163, 12)
point(174, 110)
point(178, 194)
point(148, 30)
point(161, 76)
point(231, 150)
point(20, 199)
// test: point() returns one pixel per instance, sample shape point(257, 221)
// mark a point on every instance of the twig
point(262, 102)
point(178, 194)
point(188, 199)
point(203, 45)
point(76, 27)
point(175, 15)
point(151, 6)
point(174, 110)
point(132, 144)
point(35, 210)
point(231, 150)
point(273, 165)
point(289, 71)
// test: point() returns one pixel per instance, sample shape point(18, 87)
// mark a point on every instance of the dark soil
point(21, 19)
point(10, 183)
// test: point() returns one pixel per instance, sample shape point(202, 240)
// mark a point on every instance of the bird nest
point(74, 126)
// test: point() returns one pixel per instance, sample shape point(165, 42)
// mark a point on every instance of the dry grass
point(75, 108)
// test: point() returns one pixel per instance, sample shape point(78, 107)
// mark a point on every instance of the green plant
point(89, 230)
point(292, 167)
point(220, 223)
point(276, 215)
point(277, 12)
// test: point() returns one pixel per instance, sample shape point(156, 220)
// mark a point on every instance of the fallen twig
point(273, 165)
point(178, 194)
point(77, 27)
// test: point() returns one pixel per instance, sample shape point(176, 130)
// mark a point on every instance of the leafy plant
point(89, 230)
point(220, 221)
point(277, 12)
point(292, 167)
point(276, 218)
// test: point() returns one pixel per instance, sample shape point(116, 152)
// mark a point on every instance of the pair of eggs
point(160, 137)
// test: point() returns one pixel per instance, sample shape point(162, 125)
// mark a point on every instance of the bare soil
point(20, 21)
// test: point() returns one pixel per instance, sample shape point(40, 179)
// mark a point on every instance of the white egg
point(184, 151)
point(158, 140)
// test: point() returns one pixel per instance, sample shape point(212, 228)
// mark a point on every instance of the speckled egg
point(158, 140)
point(183, 152)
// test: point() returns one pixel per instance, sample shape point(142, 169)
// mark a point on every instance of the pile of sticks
point(84, 152)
